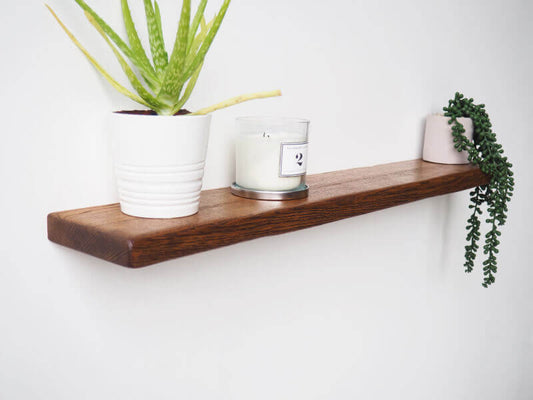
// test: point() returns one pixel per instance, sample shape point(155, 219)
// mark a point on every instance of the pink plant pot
point(438, 140)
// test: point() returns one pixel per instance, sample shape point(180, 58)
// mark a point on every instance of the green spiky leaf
point(145, 70)
point(93, 61)
point(188, 90)
point(198, 40)
point(153, 103)
point(200, 56)
point(172, 82)
point(133, 37)
point(196, 22)
point(155, 33)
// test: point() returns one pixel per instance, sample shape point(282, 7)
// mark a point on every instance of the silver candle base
point(301, 192)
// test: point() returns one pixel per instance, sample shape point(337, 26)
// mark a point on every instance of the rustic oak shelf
point(225, 219)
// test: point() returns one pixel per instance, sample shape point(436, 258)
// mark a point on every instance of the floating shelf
point(225, 219)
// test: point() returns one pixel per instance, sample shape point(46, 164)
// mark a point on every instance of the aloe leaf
point(237, 100)
point(155, 33)
point(196, 22)
point(107, 29)
point(158, 17)
point(159, 24)
point(172, 82)
point(200, 56)
point(133, 37)
point(188, 90)
point(191, 54)
point(99, 68)
point(154, 104)
point(138, 50)
point(146, 70)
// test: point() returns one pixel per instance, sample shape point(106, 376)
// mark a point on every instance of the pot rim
point(129, 114)
point(272, 119)
point(443, 116)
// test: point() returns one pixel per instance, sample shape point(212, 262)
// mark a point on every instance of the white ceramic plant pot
point(159, 163)
point(438, 140)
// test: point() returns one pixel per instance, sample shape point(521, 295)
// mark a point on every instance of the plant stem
point(237, 100)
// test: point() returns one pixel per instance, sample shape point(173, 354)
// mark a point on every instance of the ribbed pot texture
point(438, 140)
point(159, 163)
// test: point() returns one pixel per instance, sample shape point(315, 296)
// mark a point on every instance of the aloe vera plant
point(164, 83)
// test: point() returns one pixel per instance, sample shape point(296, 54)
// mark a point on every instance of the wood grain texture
point(225, 219)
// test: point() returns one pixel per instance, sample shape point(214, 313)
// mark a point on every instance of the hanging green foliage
point(488, 155)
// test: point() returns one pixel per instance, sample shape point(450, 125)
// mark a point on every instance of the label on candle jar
point(293, 159)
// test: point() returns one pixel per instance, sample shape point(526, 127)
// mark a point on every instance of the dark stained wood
point(225, 219)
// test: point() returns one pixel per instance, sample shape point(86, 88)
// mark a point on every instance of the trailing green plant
point(165, 83)
point(488, 155)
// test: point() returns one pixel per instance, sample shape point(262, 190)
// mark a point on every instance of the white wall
point(373, 307)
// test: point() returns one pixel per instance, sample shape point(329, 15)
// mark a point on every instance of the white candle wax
point(258, 161)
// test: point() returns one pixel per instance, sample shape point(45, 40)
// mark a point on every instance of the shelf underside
point(225, 219)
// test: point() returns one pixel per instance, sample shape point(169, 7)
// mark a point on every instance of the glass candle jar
point(271, 156)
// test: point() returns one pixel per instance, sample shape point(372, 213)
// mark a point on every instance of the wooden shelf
point(225, 219)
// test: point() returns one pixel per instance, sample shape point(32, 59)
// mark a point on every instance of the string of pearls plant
point(166, 82)
point(488, 155)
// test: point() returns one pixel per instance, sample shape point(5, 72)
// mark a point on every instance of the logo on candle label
point(293, 159)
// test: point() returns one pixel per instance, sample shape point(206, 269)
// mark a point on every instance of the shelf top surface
point(386, 185)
